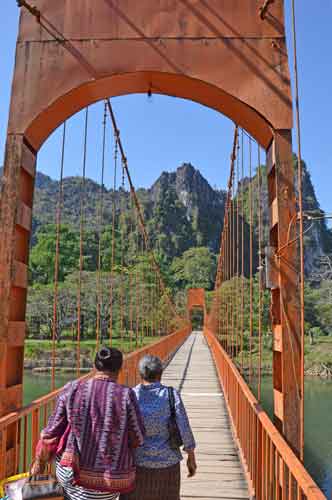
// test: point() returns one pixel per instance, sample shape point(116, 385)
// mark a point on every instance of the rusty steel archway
point(220, 54)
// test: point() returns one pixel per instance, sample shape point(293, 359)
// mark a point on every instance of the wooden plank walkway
point(220, 474)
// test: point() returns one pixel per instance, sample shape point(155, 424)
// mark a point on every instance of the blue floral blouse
point(155, 409)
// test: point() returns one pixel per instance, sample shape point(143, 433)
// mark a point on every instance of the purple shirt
point(95, 427)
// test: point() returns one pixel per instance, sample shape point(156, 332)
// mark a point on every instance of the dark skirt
point(156, 484)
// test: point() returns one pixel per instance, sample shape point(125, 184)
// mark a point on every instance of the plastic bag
point(11, 488)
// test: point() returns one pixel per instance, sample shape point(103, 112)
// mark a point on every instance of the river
point(317, 428)
point(318, 420)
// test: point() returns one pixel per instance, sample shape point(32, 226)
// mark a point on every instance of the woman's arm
point(183, 423)
point(52, 434)
point(135, 421)
point(186, 433)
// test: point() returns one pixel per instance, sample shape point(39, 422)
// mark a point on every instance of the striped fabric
point(65, 477)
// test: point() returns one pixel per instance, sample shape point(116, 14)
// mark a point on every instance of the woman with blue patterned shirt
point(158, 464)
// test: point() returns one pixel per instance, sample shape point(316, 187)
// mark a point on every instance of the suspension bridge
point(231, 57)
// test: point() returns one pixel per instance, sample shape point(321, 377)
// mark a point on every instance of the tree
point(42, 256)
point(194, 269)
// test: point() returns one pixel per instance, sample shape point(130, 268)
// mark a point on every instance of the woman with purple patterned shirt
point(158, 464)
point(92, 434)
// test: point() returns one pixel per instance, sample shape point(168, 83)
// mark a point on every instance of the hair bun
point(104, 354)
point(108, 359)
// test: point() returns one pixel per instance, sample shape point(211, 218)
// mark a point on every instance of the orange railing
point(19, 431)
point(273, 470)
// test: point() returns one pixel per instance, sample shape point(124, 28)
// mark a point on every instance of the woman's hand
point(191, 463)
point(37, 467)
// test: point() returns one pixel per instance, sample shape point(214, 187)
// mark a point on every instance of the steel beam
point(285, 311)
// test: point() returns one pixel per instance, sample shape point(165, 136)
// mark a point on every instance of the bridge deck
point(220, 474)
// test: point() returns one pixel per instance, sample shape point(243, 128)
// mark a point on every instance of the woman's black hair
point(108, 359)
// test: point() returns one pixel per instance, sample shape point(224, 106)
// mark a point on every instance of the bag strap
point(171, 400)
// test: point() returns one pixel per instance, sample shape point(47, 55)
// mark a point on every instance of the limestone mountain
point(185, 205)
point(317, 237)
point(181, 210)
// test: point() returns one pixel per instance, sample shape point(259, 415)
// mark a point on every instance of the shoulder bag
point(175, 438)
point(42, 487)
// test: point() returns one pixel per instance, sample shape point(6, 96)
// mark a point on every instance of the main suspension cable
point(138, 207)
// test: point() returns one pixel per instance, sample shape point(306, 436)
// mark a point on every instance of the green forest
point(183, 216)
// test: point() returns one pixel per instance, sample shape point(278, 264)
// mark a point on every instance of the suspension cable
point(250, 263)
point(121, 206)
point(59, 37)
point(57, 258)
point(142, 291)
point(100, 218)
point(219, 274)
point(113, 240)
point(231, 288)
point(263, 10)
point(300, 202)
point(138, 206)
point(242, 251)
point(137, 285)
point(225, 265)
point(237, 248)
point(233, 265)
point(260, 269)
point(81, 259)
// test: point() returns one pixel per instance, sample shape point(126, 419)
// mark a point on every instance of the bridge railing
point(273, 470)
point(20, 430)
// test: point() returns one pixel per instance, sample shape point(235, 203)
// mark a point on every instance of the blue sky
point(162, 132)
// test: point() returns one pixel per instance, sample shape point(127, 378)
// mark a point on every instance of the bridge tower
point(196, 300)
point(224, 55)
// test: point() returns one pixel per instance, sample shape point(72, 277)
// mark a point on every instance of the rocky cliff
point(181, 210)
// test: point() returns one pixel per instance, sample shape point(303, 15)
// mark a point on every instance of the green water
point(37, 385)
point(318, 429)
point(318, 420)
